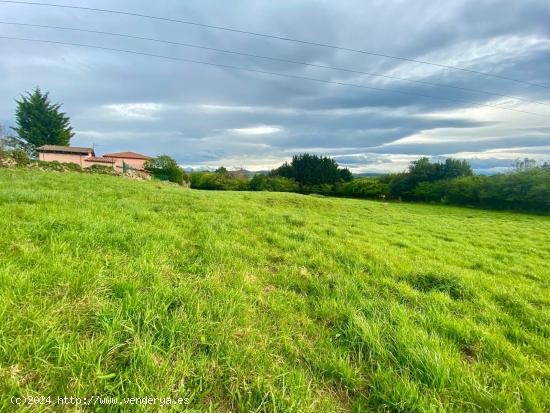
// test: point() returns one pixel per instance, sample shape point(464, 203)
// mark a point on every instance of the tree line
point(525, 188)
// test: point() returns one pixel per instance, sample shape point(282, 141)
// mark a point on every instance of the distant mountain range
point(212, 169)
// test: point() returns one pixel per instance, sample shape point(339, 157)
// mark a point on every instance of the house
point(86, 157)
point(128, 160)
point(70, 154)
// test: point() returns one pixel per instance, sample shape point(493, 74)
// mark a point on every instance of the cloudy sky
point(206, 116)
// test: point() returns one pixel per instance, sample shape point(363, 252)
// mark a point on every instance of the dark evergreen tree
point(40, 122)
point(308, 169)
point(346, 175)
point(285, 170)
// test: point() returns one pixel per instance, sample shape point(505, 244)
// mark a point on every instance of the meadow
point(267, 302)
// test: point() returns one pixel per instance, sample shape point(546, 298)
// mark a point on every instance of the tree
point(455, 168)
point(165, 168)
point(403, 185)
point(422, 170)
point(40, 122)
point(308, 169)
point(346, 175)
point(285, 170)
point(524, 164)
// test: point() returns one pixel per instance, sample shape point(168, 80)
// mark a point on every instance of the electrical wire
point(265, 35)
point(271, 59)
point(267, 73)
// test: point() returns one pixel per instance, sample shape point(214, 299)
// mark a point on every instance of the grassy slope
point(268, 302)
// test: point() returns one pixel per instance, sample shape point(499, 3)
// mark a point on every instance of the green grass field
point(267, 302)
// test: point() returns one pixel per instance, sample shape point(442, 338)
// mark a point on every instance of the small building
point(128, 160)
point(69, 154)
point(85, 157)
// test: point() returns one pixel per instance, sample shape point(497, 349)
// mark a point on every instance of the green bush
point(527, 190)
point(172, 174)
point(69, 166)
point(52, 166)
point(205, 180)
point(20, 156)
point(100, 169)
point(363, 188)
point(273, 183)
point(322, 189)
point(165, 168)
point(218, 181)
point(404, 185)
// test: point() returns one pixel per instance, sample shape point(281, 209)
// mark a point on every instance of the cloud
point(256, 130)
point(499, 52)
point(207, 116)
point(133, 111)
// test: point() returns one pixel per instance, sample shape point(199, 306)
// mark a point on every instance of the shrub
point(218, 181)
point(528, 190)
point(52, 166)
point(101, 169)
point(363, 188)
point(20, 156)
point(273, 183)
point(165, 168)
point(404, 185)
point(14, 157)
point(172, 174)
point(69, 166)
point(322, 189)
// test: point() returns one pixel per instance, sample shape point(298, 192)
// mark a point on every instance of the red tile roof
point(65, 149)
point(127, 155)
point(101, 159)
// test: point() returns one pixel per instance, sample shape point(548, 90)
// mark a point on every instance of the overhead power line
point(268, 73)
point(276, 59)
point(265, 35)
